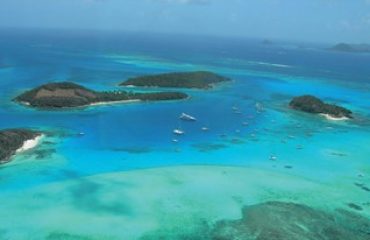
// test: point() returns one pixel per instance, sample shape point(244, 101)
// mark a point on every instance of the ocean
point(114, 172)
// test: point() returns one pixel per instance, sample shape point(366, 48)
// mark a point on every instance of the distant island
point(355, 48)
point(311, 104)
point(200, 79)
point(267, 42)
point(68, 94)
point(13, 141)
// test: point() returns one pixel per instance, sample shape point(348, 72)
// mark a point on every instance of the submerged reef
point(278, 221)
point(311, 104)
point(200, 79)
point(68, 94)
point(12, 140)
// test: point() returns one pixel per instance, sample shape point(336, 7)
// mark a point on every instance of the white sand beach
point(29, 144)
point(115, 102)
point(330, 117)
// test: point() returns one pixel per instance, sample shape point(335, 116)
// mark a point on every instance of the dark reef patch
point(209, 147)
point(67, 236)
point(277, 221)
point(363, 187)
point(86, 196)
point(134, 150)
point(355, 206)
point(44, 153)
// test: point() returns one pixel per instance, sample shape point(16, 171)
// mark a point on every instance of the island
point(312, 104)
point(354, 48)
point(69, 95)
point(199, 79)
point(13, 141)
point(267, 42)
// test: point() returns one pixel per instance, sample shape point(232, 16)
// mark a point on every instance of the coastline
point(331, 118)
point(114, 102)
point(29, 144)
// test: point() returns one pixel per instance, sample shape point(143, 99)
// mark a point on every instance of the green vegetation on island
point(13, 139)
point(311, 104)
point(68, 94)
point(200, 79)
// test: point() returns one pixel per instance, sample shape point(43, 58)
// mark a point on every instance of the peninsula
point(68, 95)
point(200, 80)
point(13, 141)
point(311, 104)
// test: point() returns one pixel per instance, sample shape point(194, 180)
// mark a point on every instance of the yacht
point(178, 132)
point(273, 158)
point(187, 117)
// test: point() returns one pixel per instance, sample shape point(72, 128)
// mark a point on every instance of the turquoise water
point(126, 171)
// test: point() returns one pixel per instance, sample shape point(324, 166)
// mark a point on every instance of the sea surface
point(114, 172)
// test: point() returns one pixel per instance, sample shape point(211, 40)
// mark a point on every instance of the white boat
point(175, 140)
point(205, 129)
point(187, 117)
point(178, 132)
point(273, 158)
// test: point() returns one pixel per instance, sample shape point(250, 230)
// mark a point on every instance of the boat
point(273, 158)
point(187, 117)
point(178, 132)
point(205, 129)
point(235, 108)
point(175, 140)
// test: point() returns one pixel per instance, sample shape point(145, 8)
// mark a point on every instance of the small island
point(200, 80)
point(69, 95)
point(354, 48)
point(311, 104)
point(13, 141)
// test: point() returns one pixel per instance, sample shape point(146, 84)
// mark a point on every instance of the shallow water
point(98, 185)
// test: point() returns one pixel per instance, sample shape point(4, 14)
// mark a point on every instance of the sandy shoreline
point(329, 117)
point(114, 102)
point(29, 144)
